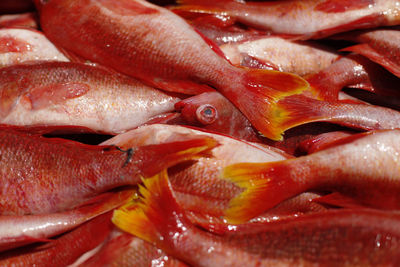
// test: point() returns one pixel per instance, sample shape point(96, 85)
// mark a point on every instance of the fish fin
point(260, 92)
point(338, 200)
point(183, 87)
point(212, 45)
point(322, 141)
point(206, 6)
point(168, 154)
point(154, 215)
point(338, 6)
point(369, 52)
point(265, 186)
point(45, 96)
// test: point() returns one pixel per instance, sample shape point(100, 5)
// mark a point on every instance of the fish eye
point(206, 114)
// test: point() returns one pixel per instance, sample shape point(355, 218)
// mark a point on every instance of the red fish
point(364, 167)
point(357, 238)
point(197, 184)
point(16, 231)
point(126, 250)
point(74, 94)
point(25, 20)
point(65, 249)
point(357, 72)
point(216, 113)
point(160, 48)
point(306, 19)
point(379, 45)
point(21, 45)
point(272, 52)
point(323, 141)
point(44, 175)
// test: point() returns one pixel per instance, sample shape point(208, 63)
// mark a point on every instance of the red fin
point(163, 118)
point(184, 87)
point(42, 97)
point(252, 62)
point(322, 141)
point(12, 44)
point(258, 102)
point(370, 53)
point(155, 216)
point(338, 200)
point(127, 7)
point(208, 6)
point(265, 186)
point(168, 154)
point(212, 45)
point(336, 6)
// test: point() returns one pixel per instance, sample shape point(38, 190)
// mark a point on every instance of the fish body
point(155, 45)
point(125, 250)
point(197, 185)
point(340, 237)
point(364, 167)
point(63, 250)
point(20, 45)
point(379, 45)
point(305, 19)
point(16, 231)
point(273, 52)
point(45, 175)
point(75, 94)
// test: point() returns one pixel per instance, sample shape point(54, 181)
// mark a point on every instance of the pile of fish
point(199, 133)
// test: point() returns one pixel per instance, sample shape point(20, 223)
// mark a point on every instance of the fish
point(197, 184)
point(213, 112)
point(363, 167)
point(217, 114)
point(25, 20)
point(63, 250)
point(352, 237)
point(123, 249)
point(16, 231)
point(45, 175)
point(353, 71)
point(75, 94)
point(310, 19)
point(277, 53)
point(323, 141)
point(379, 45)
point(158, 47)
point(19, 45)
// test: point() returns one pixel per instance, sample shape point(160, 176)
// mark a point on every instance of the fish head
point(198, 110)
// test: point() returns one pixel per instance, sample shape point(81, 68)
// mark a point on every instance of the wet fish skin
point(363, 167)
point(75, 94)
point(43, 175)
point(125, 250)
point(16, 231)
point(26, 20)
point(166, 52)
point(343, 237)
point(65, 249)
point(19, 45)
point(304, 19)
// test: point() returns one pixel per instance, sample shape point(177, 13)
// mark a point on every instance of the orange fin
point(337, 6)
point(265, 186)
point(44, 96)
point(338, 200)
point(155, 215)
point(258, 102)
point(378, 57)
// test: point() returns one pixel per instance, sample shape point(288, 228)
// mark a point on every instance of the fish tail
point(162, 156)
point(258, 97)
point(265, 186)
point(155, 214)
